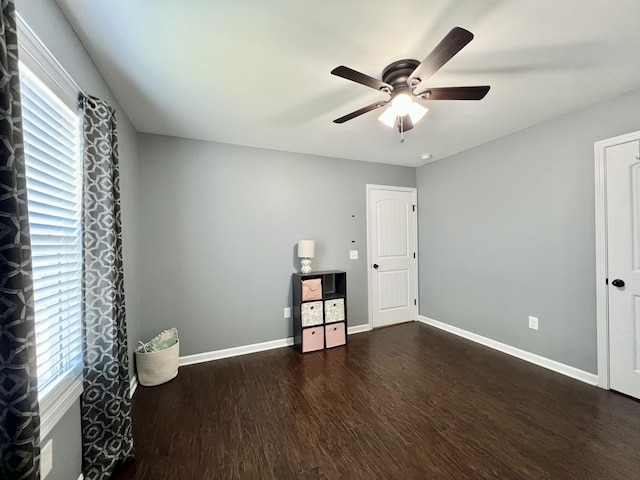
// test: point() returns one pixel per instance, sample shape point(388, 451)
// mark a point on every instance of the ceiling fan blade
point(357, 113)
point(454, 93)
point(350, 74)
point(451, 44)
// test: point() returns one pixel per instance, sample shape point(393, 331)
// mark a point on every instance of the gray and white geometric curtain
point(19, 418)
point(107, 439)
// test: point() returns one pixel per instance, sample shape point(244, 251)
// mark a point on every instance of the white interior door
point(623, 252)
point(392, 254)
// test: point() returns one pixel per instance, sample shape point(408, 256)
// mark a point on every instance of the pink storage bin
point(335, 335)
point(312, 339)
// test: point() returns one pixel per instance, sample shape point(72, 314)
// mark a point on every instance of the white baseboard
point(558, 367)
point(253, 348)
point(358, 329)
point(234, 351)
point(81, 477)
point(133, 384)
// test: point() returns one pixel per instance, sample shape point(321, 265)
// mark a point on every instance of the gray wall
point(219, 226)
point(67, 446)
point(507, 230)
point(50, 25)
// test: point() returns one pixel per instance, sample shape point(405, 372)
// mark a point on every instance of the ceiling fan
point(401, 78)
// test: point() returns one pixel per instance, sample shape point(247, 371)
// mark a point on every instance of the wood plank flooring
point(405, 402)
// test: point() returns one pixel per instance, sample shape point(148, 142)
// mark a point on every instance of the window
point(52, 140)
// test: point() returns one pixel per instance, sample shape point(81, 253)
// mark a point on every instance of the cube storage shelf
point(319, 317)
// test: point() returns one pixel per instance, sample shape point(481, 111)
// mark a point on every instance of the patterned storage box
point(334, 310)
point(311, 313)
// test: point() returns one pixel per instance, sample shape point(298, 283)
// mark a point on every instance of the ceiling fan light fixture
point(416, 112)
point(401, 104)
point(388, 117)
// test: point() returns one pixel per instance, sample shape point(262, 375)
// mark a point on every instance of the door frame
point(414, 191)
point(602, 270)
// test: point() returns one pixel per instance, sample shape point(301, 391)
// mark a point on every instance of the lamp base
point(306, 265)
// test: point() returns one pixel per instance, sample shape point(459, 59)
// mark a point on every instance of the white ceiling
point(256, 72)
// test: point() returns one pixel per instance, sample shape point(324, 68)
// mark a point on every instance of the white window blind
point(54, 184)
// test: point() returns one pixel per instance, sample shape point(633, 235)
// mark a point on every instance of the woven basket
point(155, 368)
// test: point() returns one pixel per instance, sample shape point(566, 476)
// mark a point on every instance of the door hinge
point(606, 281)
point(414, 207)
point(415, 302)
point(414, 254)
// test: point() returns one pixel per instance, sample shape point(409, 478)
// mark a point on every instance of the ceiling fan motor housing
point(397, 73)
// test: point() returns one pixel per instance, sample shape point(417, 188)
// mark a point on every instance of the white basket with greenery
point(157, 360)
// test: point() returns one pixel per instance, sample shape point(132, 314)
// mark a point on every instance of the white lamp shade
point(401, 104)
point(416, 112)
point(306, 248)
point(388, 117)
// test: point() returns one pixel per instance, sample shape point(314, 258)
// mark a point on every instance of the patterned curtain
point(107, 439)
point(19, 418)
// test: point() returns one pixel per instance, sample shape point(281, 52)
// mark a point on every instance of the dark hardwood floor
point(405, 402)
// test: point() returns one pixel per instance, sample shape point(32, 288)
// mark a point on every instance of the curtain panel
point(19, 413)
point(107, 439)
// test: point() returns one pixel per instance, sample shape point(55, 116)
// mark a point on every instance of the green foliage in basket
point(166, 339)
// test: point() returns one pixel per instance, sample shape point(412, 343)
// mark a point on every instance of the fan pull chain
point(401, 129)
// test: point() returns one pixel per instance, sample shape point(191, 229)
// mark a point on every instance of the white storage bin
point(158, 367)
point(334, 310)
point(311, 313)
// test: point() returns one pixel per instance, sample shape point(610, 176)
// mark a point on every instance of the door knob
point(375, 265)
point(618, 283)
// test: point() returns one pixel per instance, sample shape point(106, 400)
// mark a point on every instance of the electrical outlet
point(353, 254)
point(46, 459)
point(533, 323)
point(287, 312)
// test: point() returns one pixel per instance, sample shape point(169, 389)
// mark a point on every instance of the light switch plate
point(533, 323)
point(287, 312)
point(353, 254)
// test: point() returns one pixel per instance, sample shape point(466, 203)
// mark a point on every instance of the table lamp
point(306, 251)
